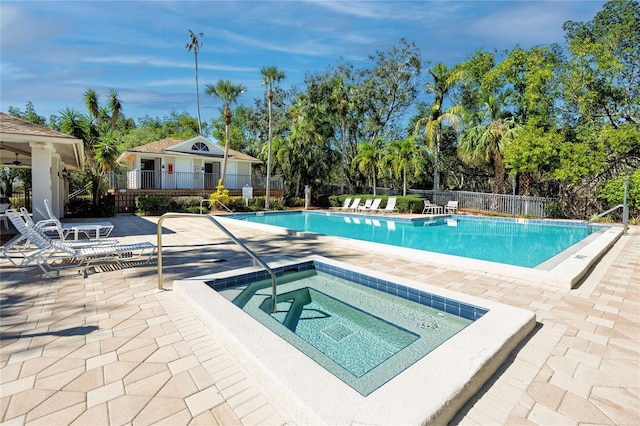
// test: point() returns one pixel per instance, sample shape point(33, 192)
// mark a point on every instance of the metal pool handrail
point(229, 234)
point(604, 214)
point(208, 200)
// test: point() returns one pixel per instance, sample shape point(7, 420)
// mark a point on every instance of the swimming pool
point(428, 391)
point(556, 253)
point(526, 243)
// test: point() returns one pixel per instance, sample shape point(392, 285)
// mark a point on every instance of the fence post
point(625, 208)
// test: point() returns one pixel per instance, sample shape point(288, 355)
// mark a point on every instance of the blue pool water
point(525, 243)
point(363, 329)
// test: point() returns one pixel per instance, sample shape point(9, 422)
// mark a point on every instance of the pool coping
point(565, 270)
point(311, 395)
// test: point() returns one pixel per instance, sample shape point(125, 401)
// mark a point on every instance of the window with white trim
point(200, 146)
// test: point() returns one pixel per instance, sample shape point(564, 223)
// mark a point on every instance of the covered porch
point(49, 154)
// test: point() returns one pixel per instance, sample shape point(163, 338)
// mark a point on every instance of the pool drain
point(337, 332)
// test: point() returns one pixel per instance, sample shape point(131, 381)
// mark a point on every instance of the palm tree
point(228, 93)
point(96, 130)
point(402, 156)
point(368, 159)
point(444, 80)
point(270, 75)
point(486, 142)
point(340, 96)
point(196, 44)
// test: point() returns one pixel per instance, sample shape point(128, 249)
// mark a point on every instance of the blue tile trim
point(419, 221)
point(451, 306)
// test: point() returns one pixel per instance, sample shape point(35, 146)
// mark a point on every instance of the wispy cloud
point(389, 10)
point(53, 51)
point(527, 23)
point(163, 63)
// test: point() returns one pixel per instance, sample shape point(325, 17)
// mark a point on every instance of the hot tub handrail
point(594, 217)
point(208, 200)
point(229, 234)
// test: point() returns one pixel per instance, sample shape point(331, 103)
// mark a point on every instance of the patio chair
point(374, 206)
point(99, 229)
point(17, 250)
point(390, 207)
point(366, 205)
point(451, 207)
point(345, 205)
point(354, 205)
point(431, 208)
point(53, 255)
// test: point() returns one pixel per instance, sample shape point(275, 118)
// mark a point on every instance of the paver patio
point(113, 349)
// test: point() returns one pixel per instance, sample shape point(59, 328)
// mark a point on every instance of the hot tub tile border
point(451, 306)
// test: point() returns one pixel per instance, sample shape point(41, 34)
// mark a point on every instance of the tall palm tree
point(195, 43)
point(270, 75)
point(444, 79)
point(368, 159)
point(228, 93)
point(486, 142)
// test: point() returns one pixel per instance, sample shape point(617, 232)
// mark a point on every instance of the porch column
point(41, 178)
point(56, 185)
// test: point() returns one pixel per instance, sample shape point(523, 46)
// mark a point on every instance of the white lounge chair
point(54, 255)
point(366, 205)
point(354, 205)
point(390, 207)
point(345, 205)
point(451, 207)
point(95, 230)
point(375, 205)
point(19, 250)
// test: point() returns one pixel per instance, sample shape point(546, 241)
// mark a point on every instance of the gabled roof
point(16, 134)
point(171, 146)
point(18, 126)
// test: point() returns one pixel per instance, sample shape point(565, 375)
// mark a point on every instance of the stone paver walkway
point(113, 349)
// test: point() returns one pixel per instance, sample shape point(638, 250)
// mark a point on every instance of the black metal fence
point(19, 199)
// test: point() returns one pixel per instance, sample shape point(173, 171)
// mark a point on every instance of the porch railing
point(150, 179)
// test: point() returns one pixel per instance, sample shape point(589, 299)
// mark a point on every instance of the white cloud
point(527, 23)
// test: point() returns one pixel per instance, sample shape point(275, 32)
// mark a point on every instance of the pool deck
point(113, 349)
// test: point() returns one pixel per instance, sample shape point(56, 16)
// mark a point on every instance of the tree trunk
point(436, 175)
point(404, 182)
point(526, 183)
point(268, 184)
point(198, 96)
point(344, 156)
point(95, 189)
point(227, 132)
point(499, 173)
point(374, 181)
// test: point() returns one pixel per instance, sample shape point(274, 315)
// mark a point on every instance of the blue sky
point(52, 51)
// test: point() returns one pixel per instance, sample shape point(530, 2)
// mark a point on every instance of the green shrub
point(612, 192)
point(153, 205)
point(323, 202)
point(81, 207)
point(238, 204)
point(294, 202)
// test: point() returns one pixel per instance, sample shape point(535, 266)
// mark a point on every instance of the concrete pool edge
point(568, 270)
point(308, 394)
